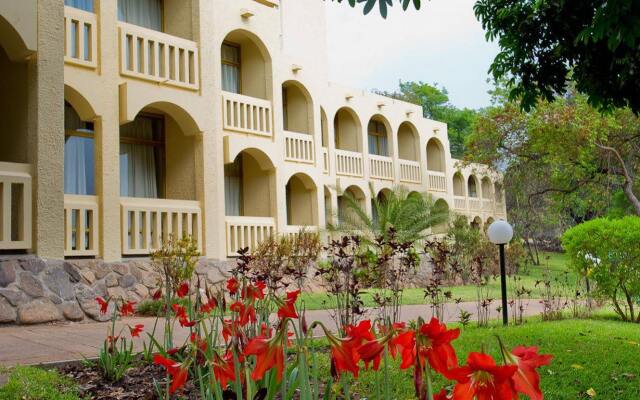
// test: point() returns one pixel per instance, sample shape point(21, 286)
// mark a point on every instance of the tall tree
point(435, 104)
point(383, 5)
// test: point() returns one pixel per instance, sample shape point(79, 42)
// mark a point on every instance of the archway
point(498, 192)
point(472, 186)
point(352, 194)
point(328, 212)
point(435, 156)
point(301, 201)
point(297, 108)
point(458, 185)
point(486, 188)
point(347, 130)
point(408, 142)
point(246, 65)
point(14, 107)
point(378, 139)
point(324, 127)
point(249, 185)
point(381, 198)
point(476, 223)
point(441, 212)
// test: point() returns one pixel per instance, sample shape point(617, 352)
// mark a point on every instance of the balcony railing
point(15, 207)
point(459, 202)
point(147, 223)
point(80, 37)
point(325, 160)
point(80, 225)
point(487, 205)
point(299, 147)
point(381, 167)
point(474, 203)
point(248, 232)
point(246, 114)
point(437, 181)
point(294, 230)
point(158, 57)
point(349, 163)
point(410, 171)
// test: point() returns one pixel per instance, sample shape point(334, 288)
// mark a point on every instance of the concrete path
point(64, 342)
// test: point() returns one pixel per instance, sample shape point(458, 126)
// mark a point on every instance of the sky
point(442, 42)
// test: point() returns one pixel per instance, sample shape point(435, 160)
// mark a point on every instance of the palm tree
point(411, 214)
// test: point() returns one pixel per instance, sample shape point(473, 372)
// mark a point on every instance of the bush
point(38, 384)
point(607, 251)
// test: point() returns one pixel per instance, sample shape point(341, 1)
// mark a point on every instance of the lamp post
point(500, 233)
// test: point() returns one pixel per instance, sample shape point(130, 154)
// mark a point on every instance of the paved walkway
point(64, 342)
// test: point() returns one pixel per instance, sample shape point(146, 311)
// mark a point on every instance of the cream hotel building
point(125, 121)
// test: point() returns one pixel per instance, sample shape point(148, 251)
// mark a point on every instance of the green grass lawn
point(599, 354)
point(555, 263)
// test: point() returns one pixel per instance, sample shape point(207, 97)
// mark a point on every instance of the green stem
point(429, 382)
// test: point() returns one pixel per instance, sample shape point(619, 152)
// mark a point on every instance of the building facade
point(128, 121)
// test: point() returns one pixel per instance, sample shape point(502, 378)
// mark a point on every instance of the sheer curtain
point(233, 188)
point(145, 13)
point(378, 145)
point(230, 69)
point(78, 156)
point(139, 167)
point(86, 5)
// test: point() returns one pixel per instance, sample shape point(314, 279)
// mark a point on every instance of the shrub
point(38, 384)
point(607, 251)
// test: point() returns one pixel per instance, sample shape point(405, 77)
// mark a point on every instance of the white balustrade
point(80, 225)
point(294, 230)
point(15, 206)
point(246, 114)
point(247, 232)
point(325, 160)
point(437, 181)
point(410, 171)
point(349, 163)
point(80, 37)
point(147, 223)
point(158, 57)
point(474, 203)
point(460, 202)
point(381, 167)
point(299, 147)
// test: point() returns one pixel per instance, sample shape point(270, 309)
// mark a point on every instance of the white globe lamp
point(501, 233)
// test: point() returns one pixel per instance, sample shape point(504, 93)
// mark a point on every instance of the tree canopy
point(435, 104)
point(383, 5)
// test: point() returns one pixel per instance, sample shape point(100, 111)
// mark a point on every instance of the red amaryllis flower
point(209, 306)
point(288, 309)
point(394, 339)
point(104, 305)
point(181, 315)
point(157, 295)
point(246, 314)
point(441, 395)
point(483, 379)
point(223, 369)
point(405, 344)
point(526, 378)
point(136, 330)
point(232, 286)
point(182, 290)
point(254, 292)
point(269, 354)
point(179, 374)
point(434, 343)
point(127, 308)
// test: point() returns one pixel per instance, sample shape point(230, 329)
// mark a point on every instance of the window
point(231, 68)
point(377, 138)
point(285, 109)
point(78, 154)
point(142, 163)
point(145, 13)
point(86, 5)
point(233, 188)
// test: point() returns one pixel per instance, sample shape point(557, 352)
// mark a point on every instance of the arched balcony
point(297, 115)
point(157, 180)
point(459, 192)
point(250, 203)
point(487, 194)
point(348, 143)
point(15, 171)
point(302, 203)
point(408, 151)
point(246, 84)
point(436, 165)
point(379, 145)
point(472, 192)
point(476, 223)
point(380, 199)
